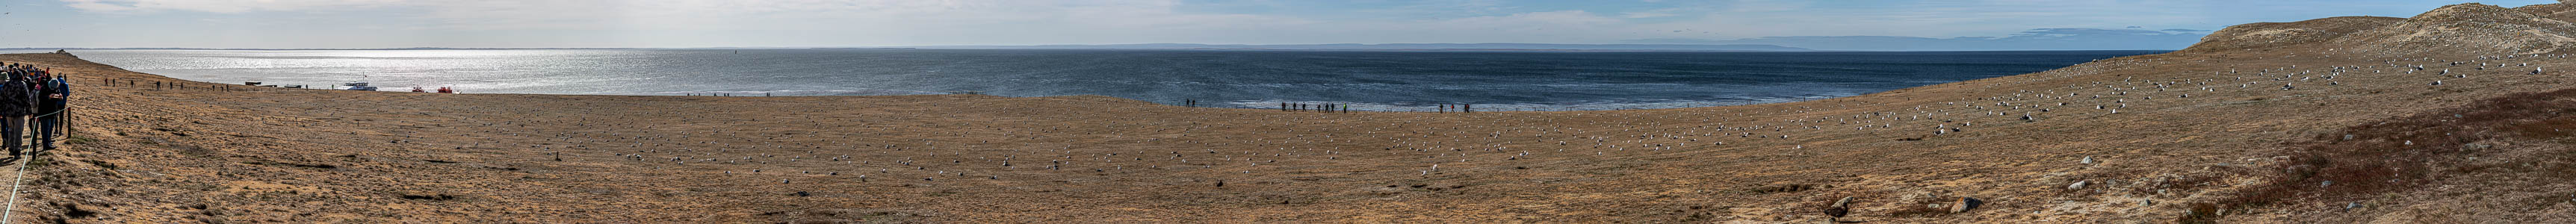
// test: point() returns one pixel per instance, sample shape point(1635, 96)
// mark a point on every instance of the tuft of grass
point(1918, 210)
point(78, 140)
point(38, 161)
point(101, 164)
point(2199, 213)
point(1782, 188)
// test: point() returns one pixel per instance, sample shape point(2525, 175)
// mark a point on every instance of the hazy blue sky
point(830, 23)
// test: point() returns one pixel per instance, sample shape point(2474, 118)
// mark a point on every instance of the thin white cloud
point(217, 6)
point(1657, 13)
point(1767, 5)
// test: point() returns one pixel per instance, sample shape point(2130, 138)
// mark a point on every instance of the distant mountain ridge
point(2043, 39)
point(1406, 46)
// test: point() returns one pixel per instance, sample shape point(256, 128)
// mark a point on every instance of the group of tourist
point(30, 91)
point(1330, 108)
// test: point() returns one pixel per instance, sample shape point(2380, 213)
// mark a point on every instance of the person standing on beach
point(50, 109)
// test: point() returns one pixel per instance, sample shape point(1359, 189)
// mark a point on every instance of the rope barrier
point(15, 182)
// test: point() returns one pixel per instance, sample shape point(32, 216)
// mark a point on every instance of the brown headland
point(2453, 116)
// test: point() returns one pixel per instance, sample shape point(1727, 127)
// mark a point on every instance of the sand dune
point(2246, 128)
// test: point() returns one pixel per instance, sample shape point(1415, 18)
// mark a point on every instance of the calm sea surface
point(1369, 80)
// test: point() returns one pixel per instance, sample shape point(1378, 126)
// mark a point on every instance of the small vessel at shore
point(360, 86)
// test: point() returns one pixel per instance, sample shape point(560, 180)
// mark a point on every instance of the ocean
point(1368, 80)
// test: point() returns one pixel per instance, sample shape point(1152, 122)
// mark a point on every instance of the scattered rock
point(2079, 185)
point(1964, 204)
point(2088, 160)
point(1840, 208)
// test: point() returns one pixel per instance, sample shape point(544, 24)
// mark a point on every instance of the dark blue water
point(1370, 80)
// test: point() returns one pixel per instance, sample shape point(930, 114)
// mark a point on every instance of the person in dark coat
point(49, 108)
point(16, 101)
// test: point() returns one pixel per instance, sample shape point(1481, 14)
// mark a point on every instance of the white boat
point(361, 86)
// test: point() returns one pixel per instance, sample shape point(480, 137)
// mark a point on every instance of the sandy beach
point(2232, 130)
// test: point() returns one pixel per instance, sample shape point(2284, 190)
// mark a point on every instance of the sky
point(1990, 24)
